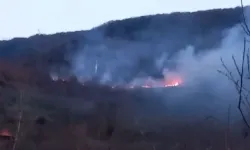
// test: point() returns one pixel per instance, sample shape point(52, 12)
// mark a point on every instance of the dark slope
point(193, 24)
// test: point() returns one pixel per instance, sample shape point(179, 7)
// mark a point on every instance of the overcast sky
point(22, 18)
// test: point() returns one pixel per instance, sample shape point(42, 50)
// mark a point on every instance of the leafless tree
point(19, 122)
point(243, 73)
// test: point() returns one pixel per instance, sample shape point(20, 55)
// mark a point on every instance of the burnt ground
point(69, 116)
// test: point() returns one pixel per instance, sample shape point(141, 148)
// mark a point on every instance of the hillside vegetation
point(38, 113)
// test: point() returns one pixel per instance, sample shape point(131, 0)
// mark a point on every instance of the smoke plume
point(204, 91)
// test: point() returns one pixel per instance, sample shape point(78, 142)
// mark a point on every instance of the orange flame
point(171, 81)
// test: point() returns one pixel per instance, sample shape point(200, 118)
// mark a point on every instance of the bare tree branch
point(227, 132)
point(239, 83)
point(244, 24)
point(236, 66)
point(248, 66)
point(19, 121)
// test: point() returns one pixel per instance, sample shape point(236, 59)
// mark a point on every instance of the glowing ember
point(170, 81)
point(174, 82)
point(5, 133)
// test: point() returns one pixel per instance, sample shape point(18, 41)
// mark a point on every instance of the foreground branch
point(244, 23)
point(19, 121)
point(239, 83)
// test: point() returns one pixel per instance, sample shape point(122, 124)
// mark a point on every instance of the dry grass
point(67, 130)
point(175, 134)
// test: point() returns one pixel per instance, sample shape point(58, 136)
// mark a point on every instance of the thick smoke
point(204, 90)
point(123, 61)
point(200, 74)
point(198, 68)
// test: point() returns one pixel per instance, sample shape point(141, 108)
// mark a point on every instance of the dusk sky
point(22, 18)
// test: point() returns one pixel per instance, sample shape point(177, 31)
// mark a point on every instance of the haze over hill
point(52, 76)
point(133, 50)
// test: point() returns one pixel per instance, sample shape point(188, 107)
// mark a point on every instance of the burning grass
point(170, 79)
